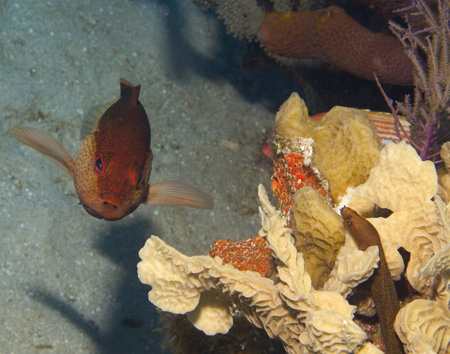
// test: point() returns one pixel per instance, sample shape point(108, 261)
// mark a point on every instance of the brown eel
point(382, 286)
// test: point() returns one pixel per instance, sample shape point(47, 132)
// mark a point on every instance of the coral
point(369, 348)
point(252, 254)
point(444, 173)
point(293, 306)
point(318, 232)
point(331, 36)
point(241, 17)
point(407, 186)
point(424, 325)
point(428, 111)
point(352, 267)
point(344, 141)
point(305, 320)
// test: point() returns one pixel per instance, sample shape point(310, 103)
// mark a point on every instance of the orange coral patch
point(253, 254)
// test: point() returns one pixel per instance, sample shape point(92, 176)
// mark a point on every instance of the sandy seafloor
point(68, 282)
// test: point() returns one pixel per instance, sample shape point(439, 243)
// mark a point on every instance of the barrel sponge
point(319, 234)
point(345, 144)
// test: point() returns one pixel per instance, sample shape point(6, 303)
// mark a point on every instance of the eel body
point(382, 286)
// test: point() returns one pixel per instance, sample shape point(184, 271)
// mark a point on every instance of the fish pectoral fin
point(45, 144)
point(91, 119)
point(178, 193)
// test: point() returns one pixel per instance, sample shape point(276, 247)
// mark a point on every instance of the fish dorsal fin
point(45, 144)
point(91, 119)
point(129, 91)
point(178, 193)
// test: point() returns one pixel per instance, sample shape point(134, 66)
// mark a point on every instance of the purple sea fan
point(427, 43)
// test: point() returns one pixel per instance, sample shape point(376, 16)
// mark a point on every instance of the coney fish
point(112, 170)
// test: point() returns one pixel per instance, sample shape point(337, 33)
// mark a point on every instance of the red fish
point(112, 170)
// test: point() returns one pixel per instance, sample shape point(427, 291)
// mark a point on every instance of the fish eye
point(99, 164)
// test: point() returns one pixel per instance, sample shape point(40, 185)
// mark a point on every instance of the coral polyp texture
point(253, 254)
point(332, 36)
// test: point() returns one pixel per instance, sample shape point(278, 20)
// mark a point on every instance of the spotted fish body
point(112, 170)
point(113, 165)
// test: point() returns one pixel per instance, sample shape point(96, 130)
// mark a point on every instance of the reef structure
point(206, 289)
point(345, 145)
point(305, 303)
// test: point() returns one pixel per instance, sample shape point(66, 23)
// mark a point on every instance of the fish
point(112, 170)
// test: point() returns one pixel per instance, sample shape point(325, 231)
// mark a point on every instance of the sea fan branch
point(428, 112)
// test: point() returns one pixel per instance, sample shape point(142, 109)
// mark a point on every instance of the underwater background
point(68, 281)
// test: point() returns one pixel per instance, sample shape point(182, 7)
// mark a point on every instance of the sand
point(69, 281)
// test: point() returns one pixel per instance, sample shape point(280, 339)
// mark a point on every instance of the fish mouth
point(94, 213)
point(103, 209)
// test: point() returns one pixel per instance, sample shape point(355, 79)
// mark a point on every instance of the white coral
point(424, 325)
point(405, 184)
point(303, 318)
point(352, 267)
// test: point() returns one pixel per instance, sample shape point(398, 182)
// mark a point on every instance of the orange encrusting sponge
point(253, 254)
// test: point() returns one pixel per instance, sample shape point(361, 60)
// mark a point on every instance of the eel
point(382, 286)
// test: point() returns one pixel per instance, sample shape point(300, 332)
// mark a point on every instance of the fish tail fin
point(129, 91)
point(46, 145)
point(178, 193)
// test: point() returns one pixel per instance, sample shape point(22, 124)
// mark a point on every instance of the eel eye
point(99, 165)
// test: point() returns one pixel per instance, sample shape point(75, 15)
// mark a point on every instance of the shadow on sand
point(134, 321)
